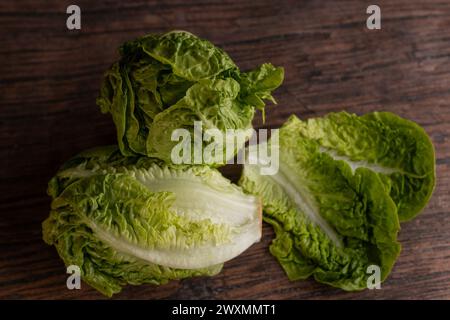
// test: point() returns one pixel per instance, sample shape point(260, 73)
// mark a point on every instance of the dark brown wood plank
point(49, 79)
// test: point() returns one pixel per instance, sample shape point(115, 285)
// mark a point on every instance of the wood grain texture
point(50, 76)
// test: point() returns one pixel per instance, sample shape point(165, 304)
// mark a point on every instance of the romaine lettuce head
point(134, 220)
point(396, 148)
point(331, 222)
point(166, 82)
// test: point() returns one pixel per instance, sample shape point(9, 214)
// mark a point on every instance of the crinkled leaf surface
point(166, 82)
point(133, 220)
point(396, 148)
point(331, 222)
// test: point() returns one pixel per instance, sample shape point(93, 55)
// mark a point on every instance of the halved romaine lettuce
point(396, 148)
point(331, 222)
point(133, 220)
point(166, 82)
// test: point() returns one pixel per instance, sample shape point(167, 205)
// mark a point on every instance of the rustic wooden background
point(50, 76)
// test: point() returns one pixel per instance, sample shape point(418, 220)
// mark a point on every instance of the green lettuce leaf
point(331, 222)
point(134, 220)
point(396, 148)
point(164, 82)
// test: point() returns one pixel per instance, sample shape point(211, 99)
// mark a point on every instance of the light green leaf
point(394, 147)
point(330, 222)
point(136, 220)
point(162, 79)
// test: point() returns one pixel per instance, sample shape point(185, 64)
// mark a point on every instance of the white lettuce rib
point(304, 201)
point(195, 197)
point(296, 192)
point(358, 164)
point(192, 258)
point(198, 200)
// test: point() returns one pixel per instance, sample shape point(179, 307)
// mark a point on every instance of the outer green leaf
point(330, 222)
point(162, 79)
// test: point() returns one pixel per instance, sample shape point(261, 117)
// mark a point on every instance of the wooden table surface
point(50, 76)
